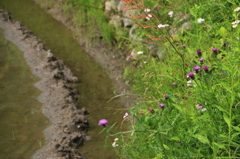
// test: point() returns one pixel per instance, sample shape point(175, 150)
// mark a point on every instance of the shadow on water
point(21, 119)
point(95, 87)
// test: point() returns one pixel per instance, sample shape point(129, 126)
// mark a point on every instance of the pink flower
point(102, 122)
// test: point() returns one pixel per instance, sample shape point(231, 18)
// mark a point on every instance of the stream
point(95, 88)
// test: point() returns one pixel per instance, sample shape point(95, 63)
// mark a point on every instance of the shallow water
point(21, 119)
point(95, 87)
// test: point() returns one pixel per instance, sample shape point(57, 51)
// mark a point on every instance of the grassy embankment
point(189, 100)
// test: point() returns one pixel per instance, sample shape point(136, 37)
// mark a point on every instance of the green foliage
point(201, 114)
point(90, 15)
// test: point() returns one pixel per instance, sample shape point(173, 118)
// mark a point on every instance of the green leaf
point(227, 119)
point(166, 147)
point(175, 138)
point(111, 127)
point(223, 32)
point(236, 128)
point(221, 109)
point(221, 146)
point(202, 138)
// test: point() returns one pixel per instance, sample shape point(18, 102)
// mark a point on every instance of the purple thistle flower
point(205, 68)
point(166, 96)
point(151, 110)
point(162, 105)
point(215, 51)
point(199, 107)
point(179, 141)
point(174, 84)
point(103, 122)
point(199, 52)
point(191, 75)
point(201, 60)
point(196, 68)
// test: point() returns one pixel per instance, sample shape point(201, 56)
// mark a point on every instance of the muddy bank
point(68, 124)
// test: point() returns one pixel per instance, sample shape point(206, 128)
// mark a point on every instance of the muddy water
point(21, 119)
point(95, 87)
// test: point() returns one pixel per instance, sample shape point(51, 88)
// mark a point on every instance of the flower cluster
point(236, 22)
point(114, 144)
point(201, 108)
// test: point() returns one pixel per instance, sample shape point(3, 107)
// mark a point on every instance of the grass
point(199, 115)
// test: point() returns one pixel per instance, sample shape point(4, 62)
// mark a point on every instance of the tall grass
point(189, 101)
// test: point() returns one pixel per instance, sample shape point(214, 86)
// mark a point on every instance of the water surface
point(22, 122)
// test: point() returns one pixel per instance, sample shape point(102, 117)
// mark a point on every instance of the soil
point(68, 123)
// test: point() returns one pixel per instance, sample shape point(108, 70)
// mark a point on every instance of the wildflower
point(196, 68)
point(162, 105)
point(205, 68)
point(179, 141)
point(147, 10)
point(125, 115)
point(103, 122)
point(201, 60)
point(191, 75)
point(199, 107)
point(215, 50)
point(235, 25)
point(200, 20)
point(189, 84)
point(166, 96)
point(140, 52)
point(203, 109)
point(151, 110)
point(199, 52)
point(162, 25)
point(237, 9)
point(114, 144)
point(236, 22)
point(170, 14)
point(174, 84)
point(149, 17)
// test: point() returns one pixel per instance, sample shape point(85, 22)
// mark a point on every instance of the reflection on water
point(22, 122)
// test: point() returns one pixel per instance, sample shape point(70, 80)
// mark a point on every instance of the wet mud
point(68, 123)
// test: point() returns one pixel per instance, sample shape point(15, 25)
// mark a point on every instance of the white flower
point(237, 38)
point(145, 62)
point(203, 109)
point(162, 25)
point(140, 52)
point(125, 115)
point(149, 17)
point(189, 84)
point(114, 144)
point(236, 22)
point(237, 9)
point(147, 10)
point(200, 20)
point(170, 14)
point(235, 25)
